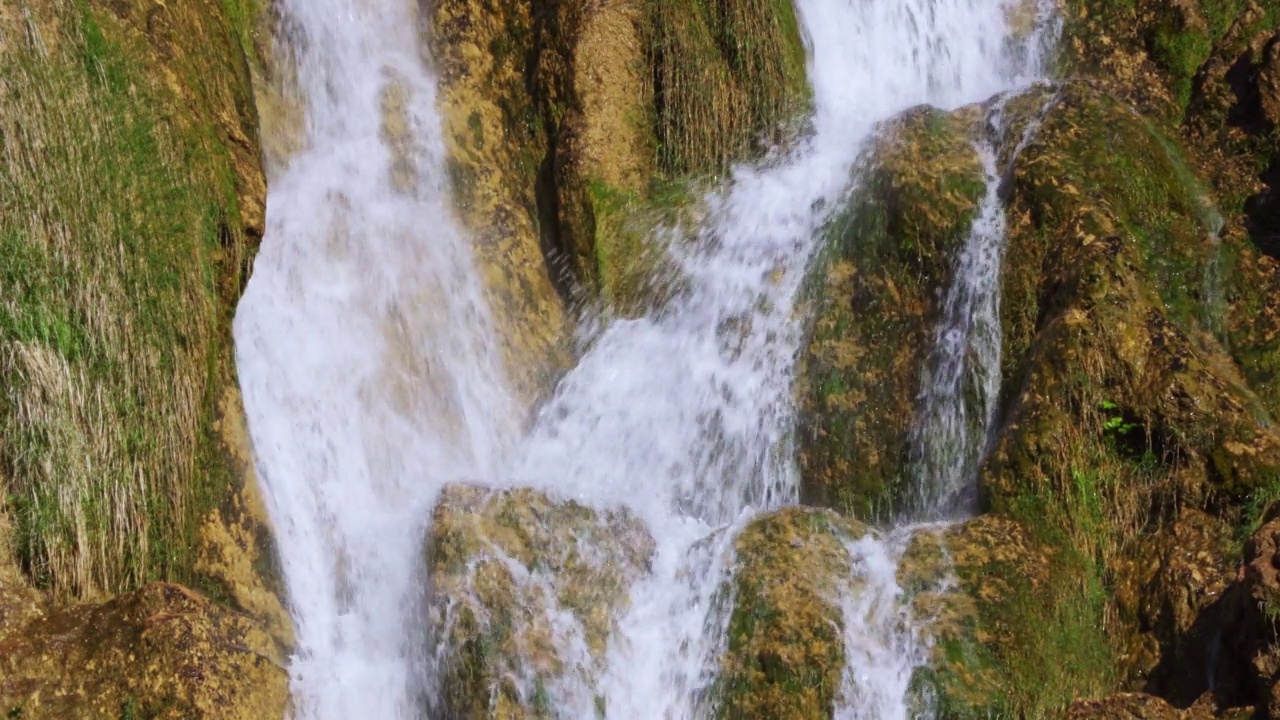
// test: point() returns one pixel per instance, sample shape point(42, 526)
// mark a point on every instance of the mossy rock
point(876, 303)
point(1203, 71)
point(502, 565)
point(1104, 332)
point(160, 652)
point(785, 652)
point(1150, 50)
point(567, 121)
point(1130, 454)
point(728, 77)
point(1014, 621)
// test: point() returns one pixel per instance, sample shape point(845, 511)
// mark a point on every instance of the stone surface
point(876, 298)
point(504, 567)
point(785, 652)
point(160, 652)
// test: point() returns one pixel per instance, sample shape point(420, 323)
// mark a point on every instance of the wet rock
point(525, 593)
point(1105, 348)
point(785, 653)
point(162, 652)
point(498, 142)
point(981, 590)
point(571, 123)
point(876, 302)
point(1128, 444)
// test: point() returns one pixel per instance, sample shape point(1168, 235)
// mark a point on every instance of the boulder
point(525, 592)
point(785, 655)
point(160, 652)
point(875, 300)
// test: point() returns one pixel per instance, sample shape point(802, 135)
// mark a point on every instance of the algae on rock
point(161, 652)
point(1128, 446)
point(569, 122)
point(505, 568)
point(876, 301)
point(785, 654)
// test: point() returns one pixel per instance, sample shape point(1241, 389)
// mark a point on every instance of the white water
point(370, 376)
point(366, 356)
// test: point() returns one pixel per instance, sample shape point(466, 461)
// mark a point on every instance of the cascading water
point(371, 378)
point(365, 354)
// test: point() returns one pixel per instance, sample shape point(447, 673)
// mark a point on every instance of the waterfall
point(366, 356)
point(371, 377)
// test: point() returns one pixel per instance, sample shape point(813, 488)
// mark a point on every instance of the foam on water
point(370, 373)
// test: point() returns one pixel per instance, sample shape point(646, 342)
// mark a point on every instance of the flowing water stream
point(371, 377)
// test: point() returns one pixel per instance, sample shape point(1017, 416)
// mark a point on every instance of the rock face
point(784, 652)
point(1249, 662)
point(1135, 443)
point(525, 593)
point(160, 652)
point(877, 301)
point(566, 118)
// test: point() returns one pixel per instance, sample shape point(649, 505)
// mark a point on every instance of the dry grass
point(727, 77)
point(111, 330)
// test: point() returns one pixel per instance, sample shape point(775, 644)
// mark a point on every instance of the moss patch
point(877, 302)
point(785, 654)
point(502, 565)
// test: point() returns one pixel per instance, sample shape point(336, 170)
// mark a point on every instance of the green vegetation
point(632, 265)
point(875, 292)
point(119, 224)
point(785, 654)
point(728, 78)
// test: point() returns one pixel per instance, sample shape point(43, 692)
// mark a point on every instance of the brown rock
point(785, 652)
point(1269, 81)
point(1250, 662)
point(1183, 575)
point(161, 652)
point(876, 304)
point(502, 564)
point(1136, 707)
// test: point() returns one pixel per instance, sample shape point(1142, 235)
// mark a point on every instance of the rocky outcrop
point(161, 652)
point(784, 654)
point(876, 301)
point(574, 126)
point(1249, 650)
point(525, 594)
point(1134, 438)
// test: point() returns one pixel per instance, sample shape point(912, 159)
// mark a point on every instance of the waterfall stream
point(371, 375)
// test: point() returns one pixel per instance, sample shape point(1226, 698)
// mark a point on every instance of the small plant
point(1116, 424)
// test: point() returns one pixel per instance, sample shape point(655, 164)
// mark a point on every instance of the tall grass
point(112, 336)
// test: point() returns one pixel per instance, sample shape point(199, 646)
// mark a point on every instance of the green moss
point(110, 264)
point(726, 76)
point(785, 655)
point(876, 303)
point(1022, 633)
point(633, 269)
